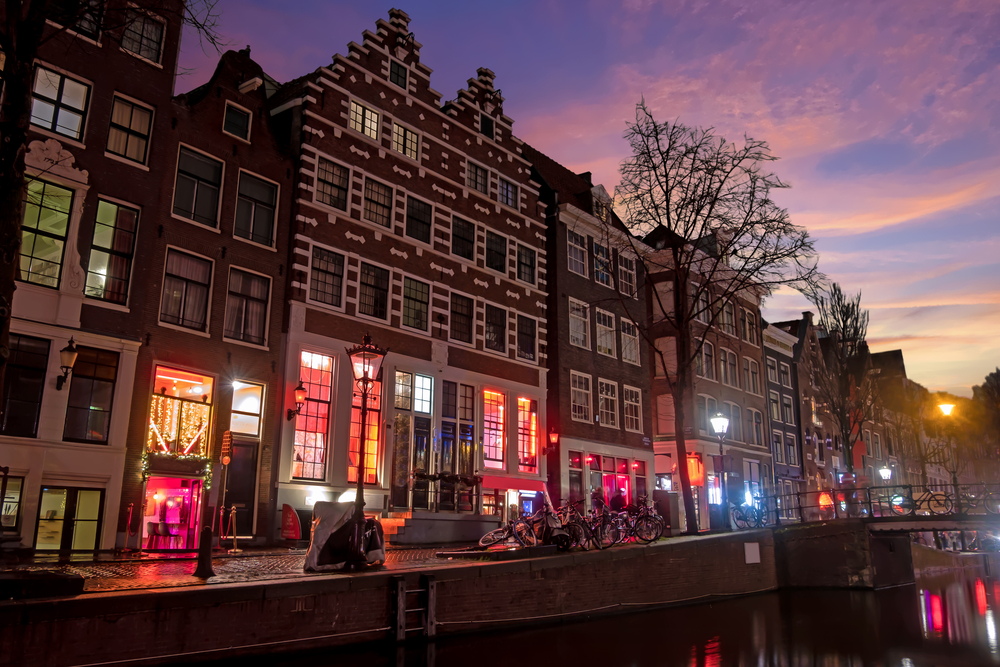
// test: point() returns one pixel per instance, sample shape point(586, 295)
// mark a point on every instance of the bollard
point(204, 569)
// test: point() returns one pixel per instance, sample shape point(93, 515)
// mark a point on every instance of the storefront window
point(10, 517)
point(312, 425)
point(640, 479)
point(180, 412)
point(575, 476)
point(372, 422)
point(171, 513)
point(494, 425)
point(247, 401)
point(527, 435)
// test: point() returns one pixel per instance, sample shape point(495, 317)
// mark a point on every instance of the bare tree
point(847, 384)
point(25, 27)
point(704, 206)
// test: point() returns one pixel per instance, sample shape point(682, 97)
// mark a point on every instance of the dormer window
point(486, 126)
point(397, 74)
point(237, 122)
point(601, 210)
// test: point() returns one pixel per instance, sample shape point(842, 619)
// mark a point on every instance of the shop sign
point(291, 529)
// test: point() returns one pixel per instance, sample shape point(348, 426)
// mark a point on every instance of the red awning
point(513, 483)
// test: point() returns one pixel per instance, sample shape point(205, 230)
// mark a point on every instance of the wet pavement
point(146, 574)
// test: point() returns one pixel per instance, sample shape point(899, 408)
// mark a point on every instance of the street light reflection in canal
point(942, 621)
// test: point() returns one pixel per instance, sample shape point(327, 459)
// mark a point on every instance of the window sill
point(177, 327)
point(59, 137)
point(100, 303)
point(237, 137)
point(269, 248)
point(69, 31)
point(581, 421)
point(612, 426)
point(256, 346)
point(199, 225)
point(319, 305)
point(125, 160)
point(142, 58)
point(582, 347)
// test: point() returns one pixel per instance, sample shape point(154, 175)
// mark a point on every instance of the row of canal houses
point(211, 255)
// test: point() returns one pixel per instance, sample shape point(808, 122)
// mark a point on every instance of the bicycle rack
point(425, 605)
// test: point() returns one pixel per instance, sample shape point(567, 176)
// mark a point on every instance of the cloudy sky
point(886, 115)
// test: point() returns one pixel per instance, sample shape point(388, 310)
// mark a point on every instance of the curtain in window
point(246, 308)
point(188, 280)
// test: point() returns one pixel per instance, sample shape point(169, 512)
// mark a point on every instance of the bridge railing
point(878, 501)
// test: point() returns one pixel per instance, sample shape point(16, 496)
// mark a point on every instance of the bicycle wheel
point(495, 536)
point(991, 502)
point(646, 529)
point(739, 518)
point(525, 533)
point(578, 533)
point(609, 534)
point(598, 539)
point(939, 503)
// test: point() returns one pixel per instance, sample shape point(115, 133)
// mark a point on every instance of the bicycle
point(575, 524)
point(750, 515)
point(515, 529)
point(979, 494)
point(933, 503)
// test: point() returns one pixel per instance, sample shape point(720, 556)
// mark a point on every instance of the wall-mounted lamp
point(553, 440)
point(67, 358)
point(300, 400)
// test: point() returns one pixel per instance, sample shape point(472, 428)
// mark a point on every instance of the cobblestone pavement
point(124, 575)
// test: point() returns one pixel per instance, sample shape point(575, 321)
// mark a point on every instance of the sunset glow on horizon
point(886, 117)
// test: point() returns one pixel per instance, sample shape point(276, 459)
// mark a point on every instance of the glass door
point(69, 519)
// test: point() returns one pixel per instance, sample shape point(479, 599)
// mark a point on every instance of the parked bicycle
point(750, 515)
point(517, 530)
point(927, 501)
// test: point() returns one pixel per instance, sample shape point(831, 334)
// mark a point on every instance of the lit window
point(23, 383)
point(255, 209)
point(633, 408)
point(786, 375)
point(526, 338)
point(128, 135)
point(579, 324)
point(576, 253)
point(494, 429)
point(605, 332)
point(580, 396)
point(143, 36)
point(476, 178)
point(463, 238)
point(423, 394)
point(364, 120)
point(418, 219)
point(180, 412)
point(237, 122)
point(373, 422)
point(59, 103)
point(416, 301)
point(326, 276)
point(378, 202)
point(312, 424)
point(626, 275)
point(461, 318)
point(630, 341)
point(405, 141)
point(608, 403)
point(508, 193)
point(11, 503)
point(403, 395)
point(525, 264)
point(496, 252)
point(527, 435)
point(196, 194)
point(248, 405)
point(397, 74)
point(43, 232)
point(91, 390)
point(246, 307)
point(373, 291)
point(602, 264)
point(331, 184)
point(187, 282)
point(496, 328)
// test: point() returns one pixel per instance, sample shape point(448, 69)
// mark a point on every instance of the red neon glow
point(159, 438)
point(696, 470)
point(996, 592)
point(981, 596)
point(196, 437)
point(937, 618)
point(825, 501)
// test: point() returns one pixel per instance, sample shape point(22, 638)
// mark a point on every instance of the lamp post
point(67, 359)
point(946, 409)
point(720, 425)
point(366, 362)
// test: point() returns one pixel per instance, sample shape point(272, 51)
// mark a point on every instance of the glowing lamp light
point(825, 500)
point(67, 359)
point(554, 439)
point(946, 409)
point(158, 497)
point(348, 496)
point(885, 473)
point(366, 360)
point(720, 424)
point(300, 399)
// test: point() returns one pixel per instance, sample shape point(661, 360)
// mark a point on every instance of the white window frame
point(633, 337)
point(605, 333)
point(84, 125)
point(774, 399)
point(771, 365)
point(277, 205)
point(627, 277)
point(570, 244)
point(363, 132)
point(405, 69)
point(249, 113)
point(163, 37)
point(636, 405)
point(608, 267)
point(343, 280)
point(208, 306)
point(402, 302)
point(347, 195)
point(406, 128)
point(612, 399)
point(389, 295)
point(267, 309)
point(784, 370)
point(728, 324)
point(778, 446)
point(517, 339)
point(222, 183)
point(514, 204)
point(506, 329)
point(144, 164)
point(728, 379)
point(585, 320)
point(589, 405)
point(469, 164)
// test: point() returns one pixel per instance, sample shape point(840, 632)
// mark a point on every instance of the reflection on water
point(942, 621)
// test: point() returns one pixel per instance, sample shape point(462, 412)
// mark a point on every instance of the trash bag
point(330, 540)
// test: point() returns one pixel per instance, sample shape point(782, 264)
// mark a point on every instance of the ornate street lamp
point(720, 425)
point(366, 362)
point(885, 473)
point(67, 359)
point(300, 399)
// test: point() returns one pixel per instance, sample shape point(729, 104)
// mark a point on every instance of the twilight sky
point(886, 116)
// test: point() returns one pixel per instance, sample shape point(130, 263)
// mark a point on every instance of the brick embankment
point(206, 622)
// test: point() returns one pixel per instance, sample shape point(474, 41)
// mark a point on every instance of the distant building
point(784, 419)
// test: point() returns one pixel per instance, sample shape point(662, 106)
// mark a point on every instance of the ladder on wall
point(416, 608)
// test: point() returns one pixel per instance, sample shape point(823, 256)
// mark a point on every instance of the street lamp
point(720, 425)
point(366, 361)
point(885, 473)
point(946, 409)
point(67, 359)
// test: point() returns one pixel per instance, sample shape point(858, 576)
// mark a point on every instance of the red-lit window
point(527, 435)
point(372, 422)
point(312, 425)
point(180, 412)
point(493, 429)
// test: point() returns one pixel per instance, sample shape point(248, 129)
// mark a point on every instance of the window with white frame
point(248, 408)
point(196, 194)
point(405, 141)
point(110, 268)
point(580, 396)
point(187, 283)
point(397, 74)
point(128, 135)
point(326, 276)
point(378, 203)
point(331, 184)
point(602, 264)
point(706, 407)
point(416, 303)
point(526, 264)
point(777, 446)
point(418, 219)
point(496, 252)
point(700, 298)
point(422, 393)
point(605, 332)
point(608, 402)
point(82, 17)
point(373, 291)
point(236, 122)
point(462, 312)
point(496, 328)
point(246, 307)
point(630, 341)
point(508, 193)
point(729, 319)
point(633, 408)
point(791, 449)
point(463, 238)
point(772, 370)
point(527, 338)
point(728, 368)
point(787, 414)
point(364, 120)
point(751, 376)
point(775, 406)
point(486, 126)
point(749, 327)
point(755, 428)
point(626, 275)
point(143, 35)
point(877, 445)
point(785, 374)
point(579, 323)
point(43, 232)
point(705, 362)
point(312, 423)
point(255, 207)
point(477, 178)
point(735, 423)
point(59, 103)
point(576, 253)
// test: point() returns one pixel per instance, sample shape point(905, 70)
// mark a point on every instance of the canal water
point(941, 621)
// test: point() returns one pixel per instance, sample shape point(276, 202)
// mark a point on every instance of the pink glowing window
point(312, 424)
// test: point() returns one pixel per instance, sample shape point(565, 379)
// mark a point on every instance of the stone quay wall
point(214, 621)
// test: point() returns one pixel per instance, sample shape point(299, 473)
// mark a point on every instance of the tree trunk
point(683, 343)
